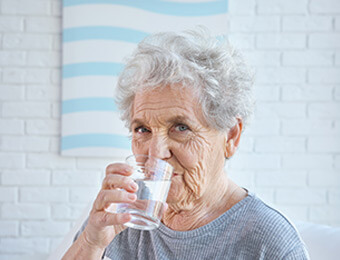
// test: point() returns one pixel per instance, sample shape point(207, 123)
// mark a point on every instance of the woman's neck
point(221, 197)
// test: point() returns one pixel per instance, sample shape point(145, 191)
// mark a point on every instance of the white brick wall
point(290, 155)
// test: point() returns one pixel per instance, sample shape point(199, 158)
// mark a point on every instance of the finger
point(113, 181)
point(119, 168)
point(106, 197)
point(104, 218)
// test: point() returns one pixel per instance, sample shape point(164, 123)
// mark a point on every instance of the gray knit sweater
point(249, 230)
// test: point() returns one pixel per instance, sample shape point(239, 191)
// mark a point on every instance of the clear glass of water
point(153, 177)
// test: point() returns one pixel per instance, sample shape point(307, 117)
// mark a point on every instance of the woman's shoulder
point(266, 218)
point(268, 228)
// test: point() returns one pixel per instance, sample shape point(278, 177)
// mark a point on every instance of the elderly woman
point(186, 99)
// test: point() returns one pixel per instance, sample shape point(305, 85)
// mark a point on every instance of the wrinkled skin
point(168, 123)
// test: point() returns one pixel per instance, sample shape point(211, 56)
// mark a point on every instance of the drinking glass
point(153, 177)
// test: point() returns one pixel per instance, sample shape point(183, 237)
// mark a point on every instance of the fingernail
point(125, 217)
point(133, 186)
point(132, 196)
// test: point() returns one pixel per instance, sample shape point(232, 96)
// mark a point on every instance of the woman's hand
point(117, 187)
point(103, 226)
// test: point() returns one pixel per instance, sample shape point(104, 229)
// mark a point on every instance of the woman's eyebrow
point(179, 119)
point(136, 122)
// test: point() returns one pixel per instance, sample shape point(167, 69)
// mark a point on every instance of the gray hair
point(214, 70)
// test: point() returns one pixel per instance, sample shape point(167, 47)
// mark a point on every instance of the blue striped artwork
point(97, 36)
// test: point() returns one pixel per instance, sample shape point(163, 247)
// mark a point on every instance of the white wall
point(290, 156)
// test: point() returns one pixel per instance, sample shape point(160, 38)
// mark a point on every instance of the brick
point(13, 75)
point(25, 41)
point(83, 195)
point(255, 161)
point(264, 127)
point(246, 144)
point(281, 178)
point(301, 196)
point(8, 92)
point(42, 126)
point(44, 58)
point(307, 161)
point(25, 177)
point(11, 126)
point(334, 197)
point(293, 212)
point(244, 41)
point(57, 8)
point(26, 109)
point(324, 110)
point(324, 41)
point(337, 161)
point(44, 228)
point(55, 242)
point(282, 7)
point(24, 245)
point(243, 178)
point(262, 58)
point(76, 178)
point(337, 23)
point(54, 144)
point(281, 41)
point(8, 194)
point(267, 93)
point(9, 58)
point(242, 7)
point(308, 127)
point(43, 194)
point(337, 93)
point(38, 76)
point(43, 92)
point(324, 75)
point(24, 211)
point(266, 194)
point(43, 24)
point(311, 23)
point(324, 213)
point(49, 161)
point(307, 93)
point(9, 228)
point(325, 7)
point(12, 160)
point(67, 211)
point(57, 42)
point(307, 58)
point(56, 77)
point(56, 110)
point(96, 163)
point(280, 75)
point(324, 144)
point(22, 256)
point(280, 144)
point(25, 7)
point(281, 110)
point(24, 143)
point(255, 24)
point(11, 24)
point(324, 179)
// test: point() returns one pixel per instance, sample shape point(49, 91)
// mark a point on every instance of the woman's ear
point(233, 138)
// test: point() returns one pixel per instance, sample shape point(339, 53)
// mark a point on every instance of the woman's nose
point(159, 147)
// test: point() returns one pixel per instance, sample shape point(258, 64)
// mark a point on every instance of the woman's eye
point(141, 130)
point(181, 128)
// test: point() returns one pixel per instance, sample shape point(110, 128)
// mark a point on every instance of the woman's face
point(168, 123)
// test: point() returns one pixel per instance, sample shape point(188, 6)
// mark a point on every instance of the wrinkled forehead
point(165, 102)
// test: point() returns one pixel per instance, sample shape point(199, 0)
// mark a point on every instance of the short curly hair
point(214, 70)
